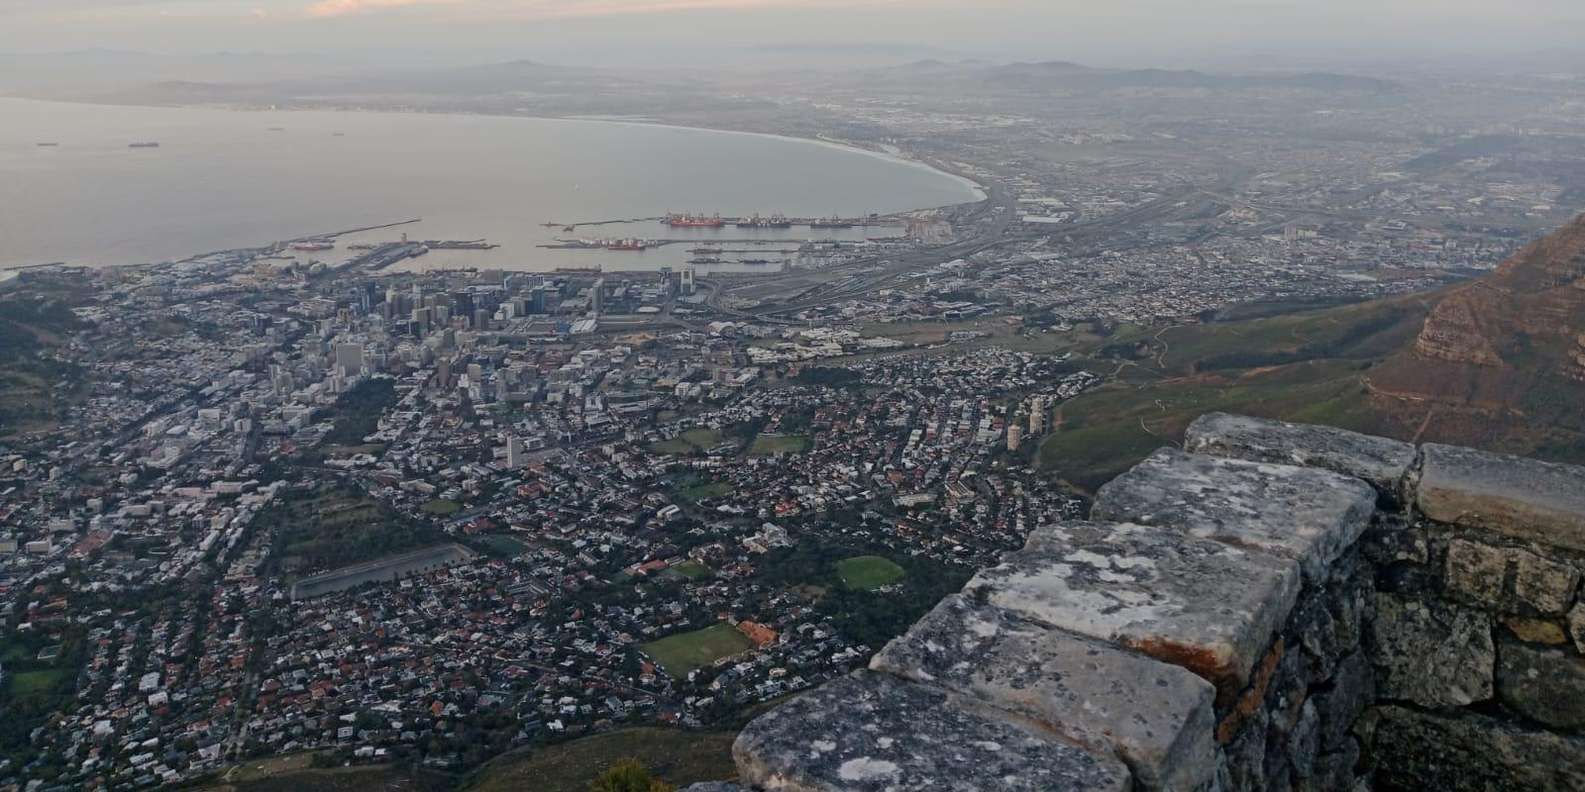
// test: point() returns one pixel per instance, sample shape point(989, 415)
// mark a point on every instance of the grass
point(1309, 366)
point(441, 508)
point(295, 773)
point(681, 654)
point(707, 489)
point(688, 442)
point(679, 758)
point(772, 445)
point(693, 570)
point(26, 683)
point(867, 573)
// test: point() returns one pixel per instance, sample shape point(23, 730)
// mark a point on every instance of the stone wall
point(1278, 607)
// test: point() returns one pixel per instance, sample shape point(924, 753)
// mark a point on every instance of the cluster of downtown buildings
point(578, 496)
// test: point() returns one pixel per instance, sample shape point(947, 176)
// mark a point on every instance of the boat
point(626, 244)
point(834, 222)
point(693, 221)
point(774, 221)
point(706, 251)
point(145, 144)
point(754, 261)
point(704, 261)
point(48, 145)
point(311, 245)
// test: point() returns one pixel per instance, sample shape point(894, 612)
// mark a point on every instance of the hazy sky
point(1143, 32)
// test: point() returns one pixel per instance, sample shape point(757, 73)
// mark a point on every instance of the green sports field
point(867, 573)
point(680, 654)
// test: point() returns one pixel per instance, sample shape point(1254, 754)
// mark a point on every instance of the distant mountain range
point(1062, 75)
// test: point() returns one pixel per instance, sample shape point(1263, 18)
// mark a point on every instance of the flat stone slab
point(1309, 515)
point(1514, 496)
point(1207, 606)
point(714, 786)
point(1158, 718)
point(873, 732)
point(1384, 463)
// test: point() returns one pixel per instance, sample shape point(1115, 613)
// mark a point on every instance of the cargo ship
point(705, 260)
point(48, 145)
point(834, 222)
point(693, 221)
point(145, 144)
point(626, 244)
point(706, 251)
point(313, 245)
point(774, 221)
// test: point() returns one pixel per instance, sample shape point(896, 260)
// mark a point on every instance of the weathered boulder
point(1334, 772)
point(1576, 626)
point(1432, 653)
point(1304, 741)
point(1545, 685)
point(1308, 515)
point(1543, 584)
point(1538, 631)
point(1476, 572)
point(1352, 690)
point(1207, 606)
point(1384, 463)
point(1157, 718)
point(1514, 496)
point(1413, 750)
point(1246, 756)
point(872, 732)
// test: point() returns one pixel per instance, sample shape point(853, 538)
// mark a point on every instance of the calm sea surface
point(226, 179)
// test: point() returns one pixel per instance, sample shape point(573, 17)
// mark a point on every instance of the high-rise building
point(349, 359)
point(1039, 411)
point(462, 304)
point(516, 453)
point(597, 296)
point(1015, 434)
point(687, 281)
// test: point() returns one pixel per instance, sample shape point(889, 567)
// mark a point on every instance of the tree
point(629, 776)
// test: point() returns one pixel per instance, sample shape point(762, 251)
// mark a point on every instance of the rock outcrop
point(1497, 342)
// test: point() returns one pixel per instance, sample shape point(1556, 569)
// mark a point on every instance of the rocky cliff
point(1503, 356)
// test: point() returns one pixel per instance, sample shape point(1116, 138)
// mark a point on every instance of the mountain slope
point(1500, 361)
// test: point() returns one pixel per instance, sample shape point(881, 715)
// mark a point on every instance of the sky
point(1101, 32)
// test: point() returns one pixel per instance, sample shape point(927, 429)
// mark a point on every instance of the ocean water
point(225, 179)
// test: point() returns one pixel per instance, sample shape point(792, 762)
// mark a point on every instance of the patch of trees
point(829, 377)
point(1126, 350)
point(357, 412)
point(27, 706)
point(338, 526)
point(868, 617)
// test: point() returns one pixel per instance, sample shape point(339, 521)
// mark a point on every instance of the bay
point(225, 179)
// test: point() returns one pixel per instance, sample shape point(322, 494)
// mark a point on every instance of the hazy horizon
point(376, 33)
